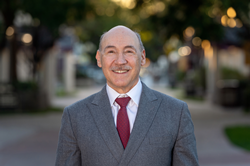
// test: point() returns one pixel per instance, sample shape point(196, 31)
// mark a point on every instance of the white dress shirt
point(132, 107)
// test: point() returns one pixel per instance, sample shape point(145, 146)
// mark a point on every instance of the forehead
point(120, 39)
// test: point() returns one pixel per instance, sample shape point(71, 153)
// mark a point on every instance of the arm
point(184, 152)
point(68, 152)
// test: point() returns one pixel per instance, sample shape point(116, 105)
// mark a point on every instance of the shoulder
point(162, 96)
point(170, 102)
point(166, 97)
point(167, 102)
point(82, 102)
point(82, 105)
point(172, 107)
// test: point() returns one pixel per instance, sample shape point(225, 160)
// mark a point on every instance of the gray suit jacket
point(163, 133)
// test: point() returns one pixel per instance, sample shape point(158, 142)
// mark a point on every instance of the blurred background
point(198, 51)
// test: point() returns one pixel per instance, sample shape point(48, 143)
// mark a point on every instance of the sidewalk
point(31, 140)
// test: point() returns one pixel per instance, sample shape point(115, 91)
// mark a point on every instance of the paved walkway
point(31, 140)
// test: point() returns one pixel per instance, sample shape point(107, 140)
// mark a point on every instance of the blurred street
point(31, 140)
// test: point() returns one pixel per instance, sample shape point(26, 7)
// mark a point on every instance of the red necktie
point(122, 122)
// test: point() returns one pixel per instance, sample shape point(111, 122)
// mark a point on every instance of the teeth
point(121, 71)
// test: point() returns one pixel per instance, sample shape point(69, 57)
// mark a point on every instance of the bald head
point(121, 30)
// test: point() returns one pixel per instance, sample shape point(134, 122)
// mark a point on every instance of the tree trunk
point(13, 59)
point(8, 16)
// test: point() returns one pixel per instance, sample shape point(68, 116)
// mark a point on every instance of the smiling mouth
point(120, 71)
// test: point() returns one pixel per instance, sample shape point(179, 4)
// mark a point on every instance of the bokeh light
point(160, 6)
point(152, 8)
point(215, 11)
point(209, 53)
point(110, 12)
point(231, 12)
point(184, 51)
point(130, 4)
point(206, 44)
point(189, 31)
point(238, 23)
point(10, 31)
point(231, 22)
point(174, 56)
point(196, 41)
point(27, 38)
point(100, 11)
point(224, 20)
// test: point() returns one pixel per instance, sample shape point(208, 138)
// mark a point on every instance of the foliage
point(246, 99)
point(180, 75)
point(239, 136)
point(245, 86)
point(195, 83)
point(156, 20)
point(230, 73)
point(157, 26)
point(204, 16)
point(51, 13)
point(26, 86)
point(200, 77)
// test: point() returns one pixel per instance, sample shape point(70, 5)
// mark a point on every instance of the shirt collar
point(134, 93)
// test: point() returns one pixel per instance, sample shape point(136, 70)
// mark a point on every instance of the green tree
point(165, 18)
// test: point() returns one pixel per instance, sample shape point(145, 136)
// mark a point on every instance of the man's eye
point(111, 51)
point(130, 51)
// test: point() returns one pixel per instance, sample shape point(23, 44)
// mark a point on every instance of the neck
point(123, 90)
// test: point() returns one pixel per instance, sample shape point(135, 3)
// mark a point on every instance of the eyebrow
point(129, 46)
point(109, 46)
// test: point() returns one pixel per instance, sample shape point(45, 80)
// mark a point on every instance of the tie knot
point(123, 102)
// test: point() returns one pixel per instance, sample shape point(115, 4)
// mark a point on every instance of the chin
point(121, 84)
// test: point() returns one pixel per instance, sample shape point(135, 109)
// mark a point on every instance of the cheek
point(133, 60)
point(139, 62)
point(106, 61)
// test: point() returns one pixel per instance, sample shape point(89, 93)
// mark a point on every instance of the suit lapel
point(148, 107)
point(102, 115)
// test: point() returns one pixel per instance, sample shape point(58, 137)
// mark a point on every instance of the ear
point(98, 58)
point(143, 57)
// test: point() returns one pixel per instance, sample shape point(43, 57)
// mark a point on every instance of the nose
point(120, 60)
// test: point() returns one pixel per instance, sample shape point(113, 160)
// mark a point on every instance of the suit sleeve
point(68, 152)
point(184, 152)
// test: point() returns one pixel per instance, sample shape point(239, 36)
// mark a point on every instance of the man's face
point(121, 58)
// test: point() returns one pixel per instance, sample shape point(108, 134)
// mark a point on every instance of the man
point(126, 123)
